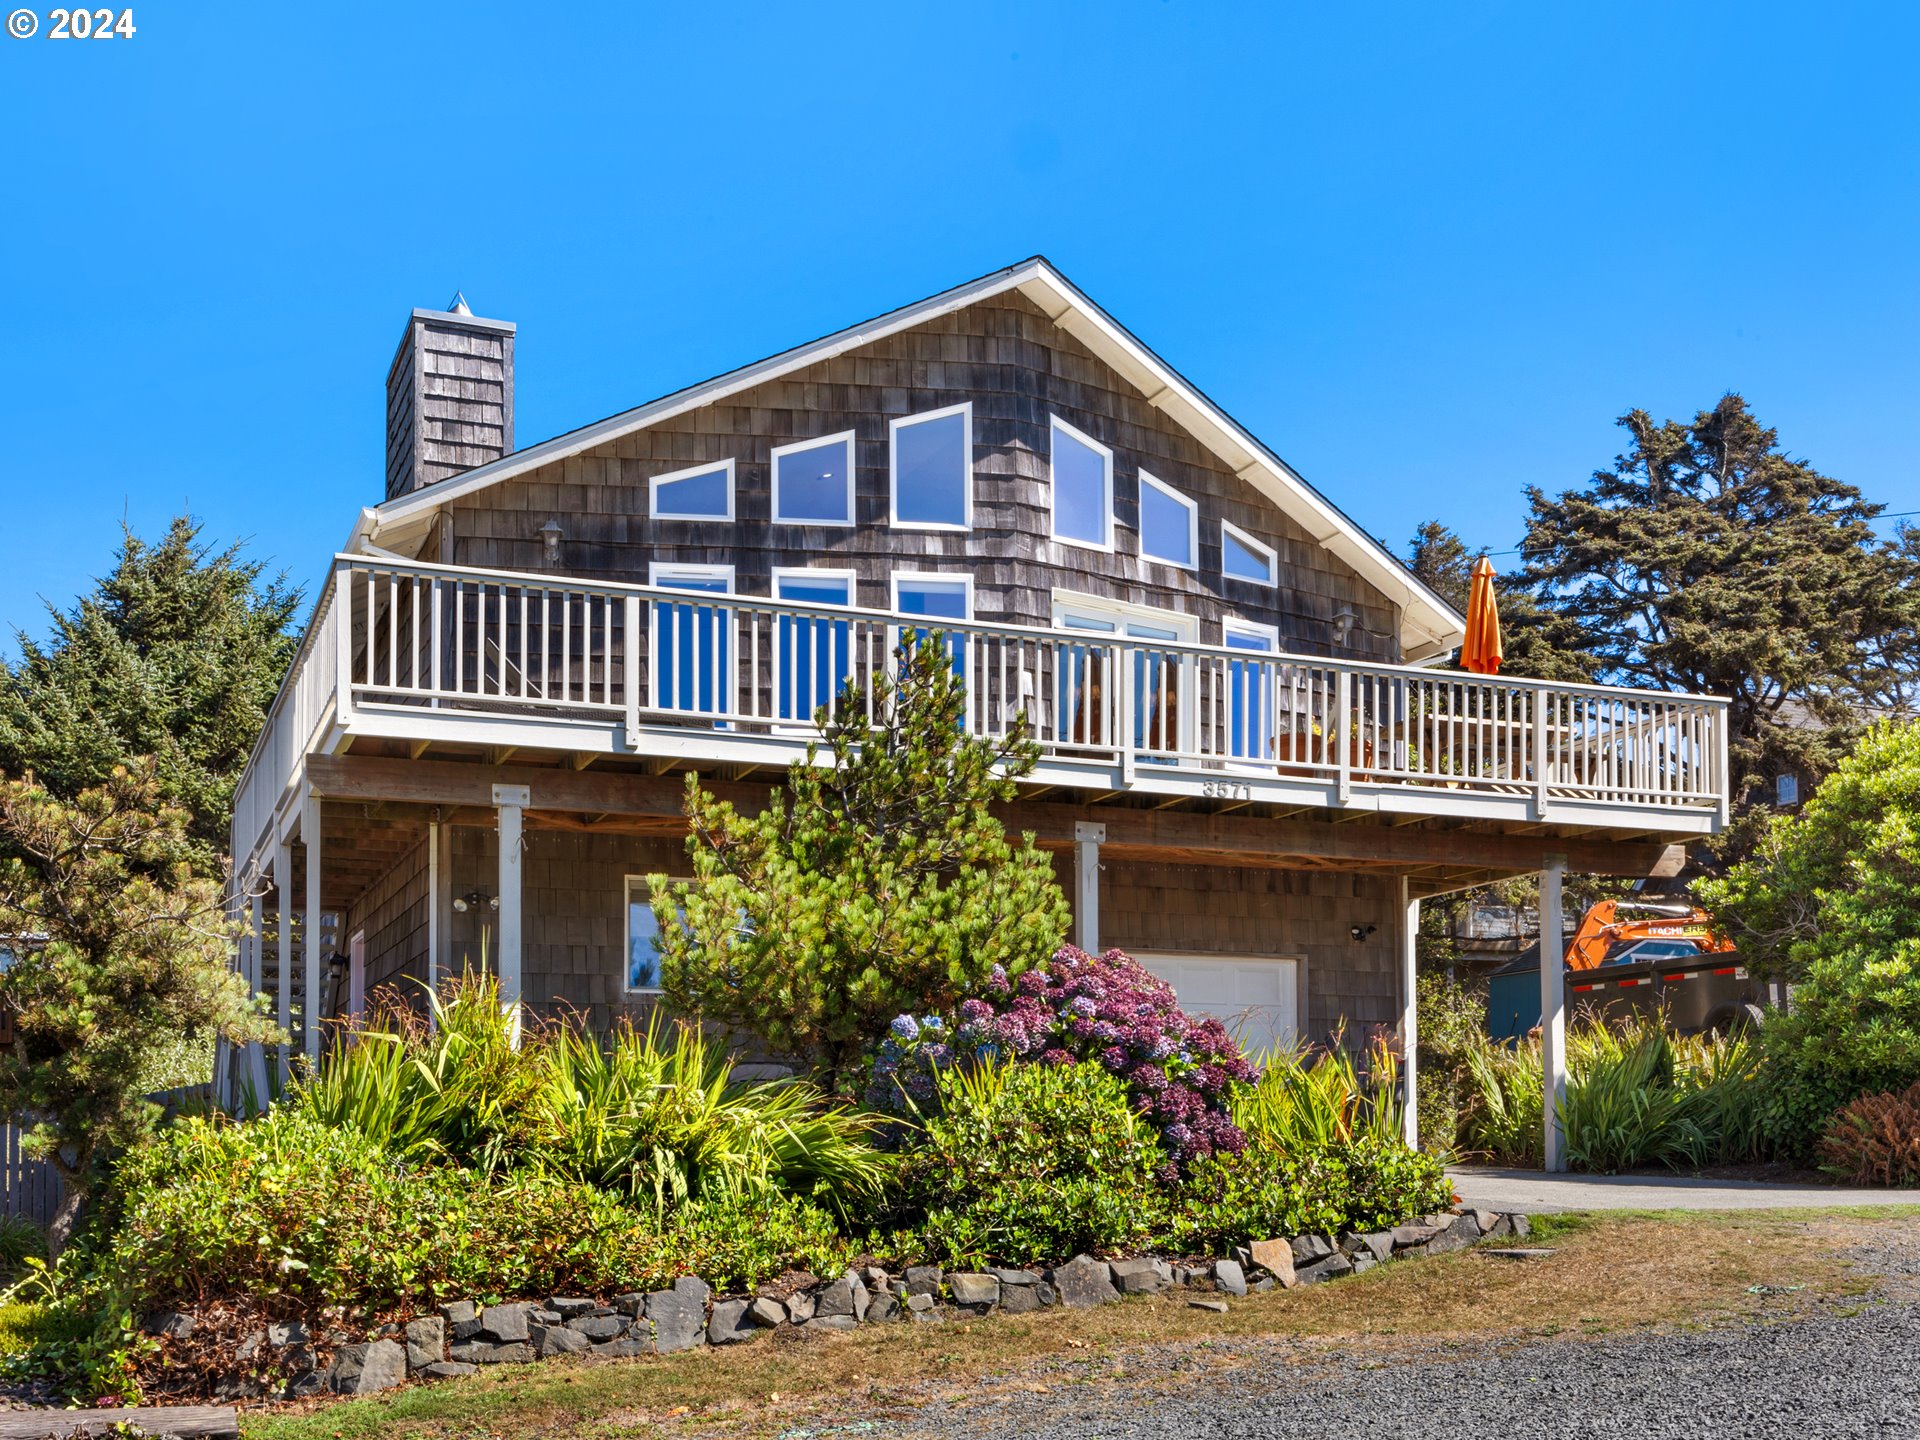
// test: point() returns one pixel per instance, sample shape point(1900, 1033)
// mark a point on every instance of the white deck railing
point(442, 650)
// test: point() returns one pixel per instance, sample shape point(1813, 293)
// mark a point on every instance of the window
point(1082, 488)
point(813, 481)
point(1244, 558)
point(942, 597)
point(1250, 690)
point(703, 492)
point(813, 656)
point(931, 457)
point(643, 940)
point(1085, 674)
point(1169, 524)
point(692, 643)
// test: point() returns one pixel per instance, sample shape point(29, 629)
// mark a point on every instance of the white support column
point(439, 901)
point(1553, 1012)
point(311, 927)
point(256, 1054)
point(1087, 840)
point(283, 1006)
point(510, 800)
point(1409, 1011)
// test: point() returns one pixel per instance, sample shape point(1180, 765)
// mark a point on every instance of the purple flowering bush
point(1180, 1073)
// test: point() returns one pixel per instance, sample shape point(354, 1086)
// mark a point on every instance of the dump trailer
point(1634, 956)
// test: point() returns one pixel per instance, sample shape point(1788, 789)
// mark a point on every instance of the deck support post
point(509, 802)
point(283, 986)
point(439, 902)
point(1553, 1014)
point(1087, 840)
point(1409, 1012)
point(311, 926)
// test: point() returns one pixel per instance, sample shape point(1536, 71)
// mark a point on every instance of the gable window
point(1169, 524)
point(1082, 488)
point(813, 655)
point(643, 939)
point(931, 457)
point(813, 481)
point(1244, 558)
point(692, 643)
point(701, 492)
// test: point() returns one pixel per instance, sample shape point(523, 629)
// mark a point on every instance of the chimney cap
point(458, 305)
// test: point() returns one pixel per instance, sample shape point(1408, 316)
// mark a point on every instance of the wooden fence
point(28, 1187)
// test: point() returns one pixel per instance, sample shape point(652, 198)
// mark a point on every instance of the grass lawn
point(1612, 1271)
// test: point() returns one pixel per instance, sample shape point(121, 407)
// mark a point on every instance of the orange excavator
point(1612, 931)
point(1634, 955)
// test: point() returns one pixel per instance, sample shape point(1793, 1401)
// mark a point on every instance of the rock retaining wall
point(286, 1361)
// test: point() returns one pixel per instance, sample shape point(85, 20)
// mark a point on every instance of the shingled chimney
point(449, 397)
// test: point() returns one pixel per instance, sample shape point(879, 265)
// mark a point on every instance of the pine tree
point(876, 885)
point(1707, 559)
point(175, 655)
point(116, 949)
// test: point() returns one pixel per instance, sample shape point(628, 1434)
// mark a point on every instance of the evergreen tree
point(116, 949)
point(1707, 559)
point(175, 655)
point(878, 885)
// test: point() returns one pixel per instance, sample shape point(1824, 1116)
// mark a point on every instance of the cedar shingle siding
point(1017, 368)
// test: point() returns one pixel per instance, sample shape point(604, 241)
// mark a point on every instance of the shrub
point(1031, 1163)
point(1452, 1017)
point(880, 883)
point(1625, 1111)
point(1875, 1140)
point(654, 1114)
point(1364, 1184)
point(1311, 1100)
point(1181, 1073)
point(1830, 901)
point(1506, 1105)
point(285, 1209)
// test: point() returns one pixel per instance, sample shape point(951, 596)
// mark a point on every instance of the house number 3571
point(1226, 789)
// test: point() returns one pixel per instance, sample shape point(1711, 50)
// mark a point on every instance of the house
point(1253, 768)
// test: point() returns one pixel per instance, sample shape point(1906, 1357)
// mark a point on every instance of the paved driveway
point(1538, 1193)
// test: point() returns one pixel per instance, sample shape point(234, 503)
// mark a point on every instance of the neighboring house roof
point(1430, 624)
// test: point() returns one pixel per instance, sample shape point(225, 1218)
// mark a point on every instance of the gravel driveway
point(1848, 1370)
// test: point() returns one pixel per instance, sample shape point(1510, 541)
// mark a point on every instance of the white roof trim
point(1429, 623)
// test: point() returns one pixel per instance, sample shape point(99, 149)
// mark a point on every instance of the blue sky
point(1428, 253)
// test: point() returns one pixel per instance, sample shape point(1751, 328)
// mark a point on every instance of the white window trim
point(691, 472)
point(1272, 582)
point(662, 573)
point(1192, 508)
point(844, 438)
point(796, 724)
point(1106, 507)
point(1188, 626)
point(1233, 624)
point(965, 582)
point(965, 411)
point(803, 572)
point(638, 883)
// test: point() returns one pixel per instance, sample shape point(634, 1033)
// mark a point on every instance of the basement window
point(701, 492)
point(813, 481)
point(1169, 524)
point(931, 457)
point(1244, 558)
point(643, 940)
point(1082, 488)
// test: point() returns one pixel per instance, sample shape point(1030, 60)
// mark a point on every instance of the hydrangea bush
point(1180, 1072)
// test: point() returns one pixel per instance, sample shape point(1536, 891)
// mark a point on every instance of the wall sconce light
point(550, 536)
point(476, 900)
point(1343, 622)
point(1361, 932)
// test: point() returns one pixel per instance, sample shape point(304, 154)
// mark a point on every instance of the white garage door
point(1257, 1000)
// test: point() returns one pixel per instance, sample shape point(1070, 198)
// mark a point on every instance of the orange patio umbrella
point(1481, 652)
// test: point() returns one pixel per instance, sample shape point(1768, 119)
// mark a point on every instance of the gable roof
point(1429, 624)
